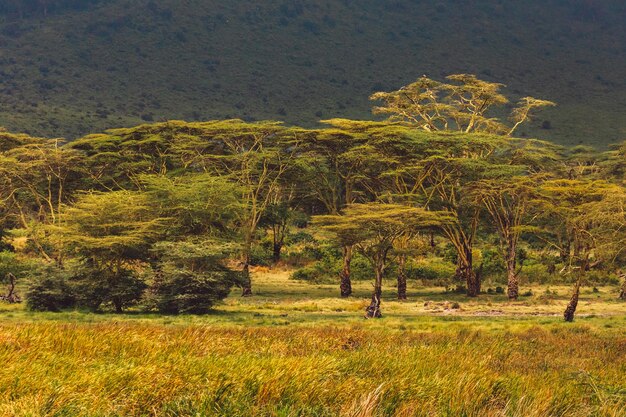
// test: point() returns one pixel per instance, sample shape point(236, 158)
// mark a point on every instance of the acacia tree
point(373, 228)
point(37, 177)
point(276, 219)
point(190, 265)
point(451, 164)
point(330, 169)
point(592, 213)
point(255, 157)
point(110, 235)
point(507, 201)
point(524, 111)
point(411, 243)
point(463, 104)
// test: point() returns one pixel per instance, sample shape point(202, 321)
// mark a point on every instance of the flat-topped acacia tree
point(329, 168)
point(594, 216)
point(37, 178)
point(462, 104)
point(372, 228)
point(110, 235)
point(255, 157)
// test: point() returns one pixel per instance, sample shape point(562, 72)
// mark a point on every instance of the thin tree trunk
point(573, 302)
point(278, 240)
point(512, 281)
point(118, 305)
point(467, 273)
point(373, 310)
point(565, 251)
point(513, 284)
point(246, 287)
point(276, 251)
point(402, 277)
point(12, 297)
point(346, 285)
point(622, 294)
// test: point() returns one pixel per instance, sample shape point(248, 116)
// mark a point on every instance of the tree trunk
point(512, 281)
point(467, 273)
point(12, 297)
point(118, 305)
point(373, 310)
point(346, 284)
point(573, 302)
point(278, 246)
point(246, 287)
point(402, 277)
point(564, 252)
point(622, 294)
point(473, 282)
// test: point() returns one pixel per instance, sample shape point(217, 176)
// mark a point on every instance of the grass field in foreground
point(296, 350)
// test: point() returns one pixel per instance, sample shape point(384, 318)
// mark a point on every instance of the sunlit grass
point(298, 350)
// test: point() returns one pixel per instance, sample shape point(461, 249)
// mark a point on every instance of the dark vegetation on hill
point(70, 67)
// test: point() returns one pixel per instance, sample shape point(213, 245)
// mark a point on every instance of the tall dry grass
point(147, 369)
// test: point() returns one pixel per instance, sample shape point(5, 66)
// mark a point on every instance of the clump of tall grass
point(142, 369)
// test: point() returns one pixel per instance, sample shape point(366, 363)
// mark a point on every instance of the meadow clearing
point(296, 349)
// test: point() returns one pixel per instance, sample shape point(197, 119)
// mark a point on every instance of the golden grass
point(288, 352)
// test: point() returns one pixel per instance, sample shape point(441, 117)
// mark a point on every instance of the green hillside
point(79, 67)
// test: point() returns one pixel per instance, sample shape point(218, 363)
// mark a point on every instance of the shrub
point(537, 273)
point(190, 277)
point(95, 288)
point(187, 291)
point(260, 256)
point(49, 290)
point(432, 268)
point(313, 274)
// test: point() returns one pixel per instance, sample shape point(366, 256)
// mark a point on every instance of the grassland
point(295, 349)
point(124, 62)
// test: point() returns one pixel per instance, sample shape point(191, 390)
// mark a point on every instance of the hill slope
point(108, 63)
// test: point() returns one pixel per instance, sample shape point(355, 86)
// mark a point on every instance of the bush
point(432, 269)
point(326, 270)
point(95, 288)
point(80, 285)
point(50, 292)
point(186, 291)
point(537, 273)
point(260, 256)
point(314, 274)
point(190, 277)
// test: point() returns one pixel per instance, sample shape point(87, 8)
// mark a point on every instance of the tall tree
point(463, 104)
point(507, 200)
point(593, 214)
point(330, 163)
point(37, 178)
point(255, 156)
point(190, 265)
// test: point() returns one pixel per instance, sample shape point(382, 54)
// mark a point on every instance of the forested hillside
point(69, 67)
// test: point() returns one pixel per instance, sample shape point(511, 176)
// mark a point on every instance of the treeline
point(161, 213)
